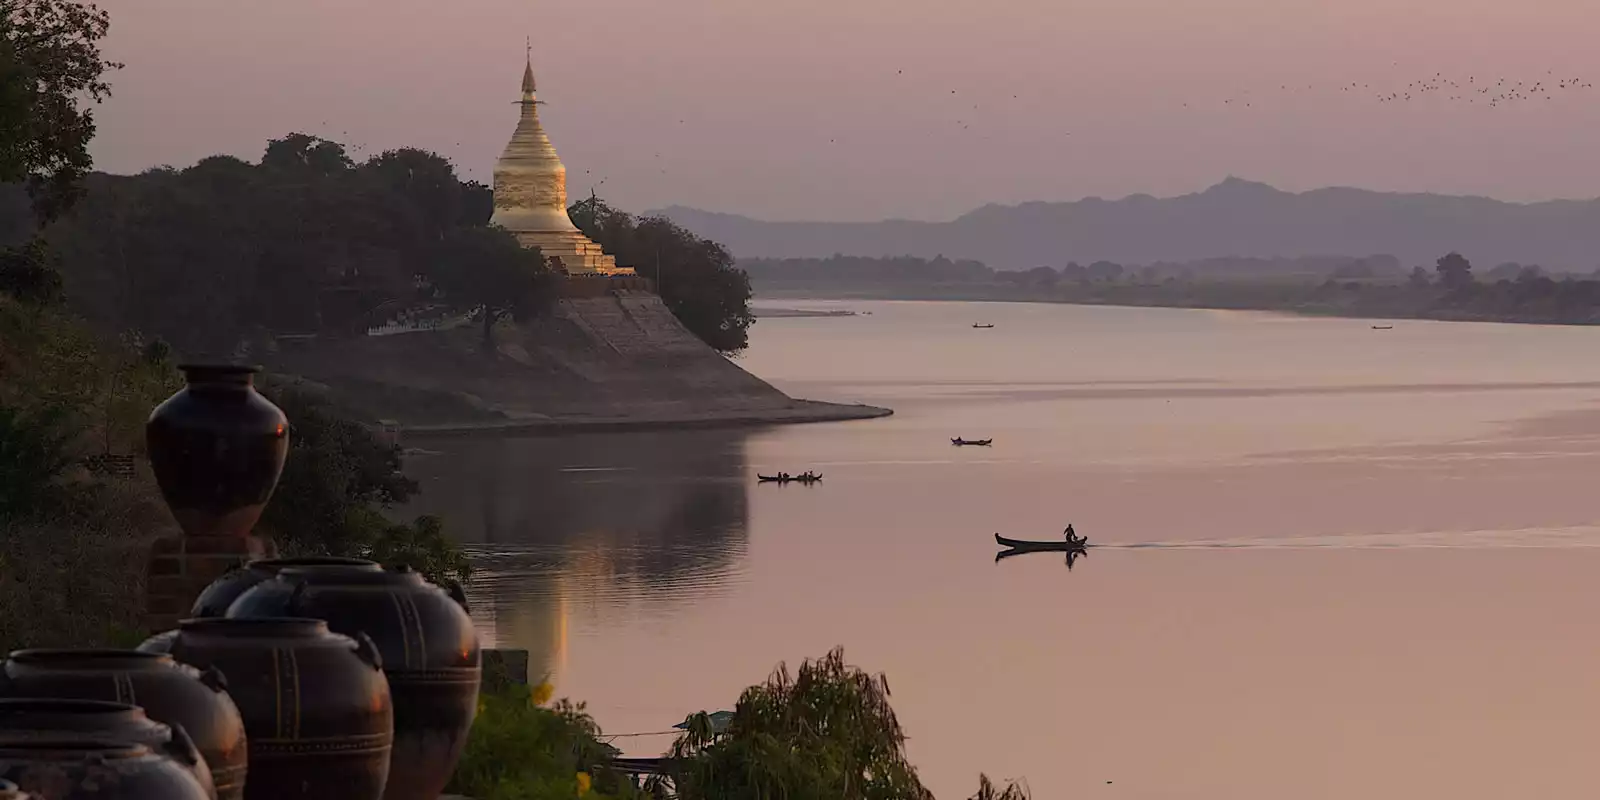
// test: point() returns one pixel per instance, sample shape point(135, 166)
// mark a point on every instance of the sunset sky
point(864, 109)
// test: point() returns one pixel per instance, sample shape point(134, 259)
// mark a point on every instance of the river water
point(1331, 562)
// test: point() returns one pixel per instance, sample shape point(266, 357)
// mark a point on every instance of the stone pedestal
point(180, 567)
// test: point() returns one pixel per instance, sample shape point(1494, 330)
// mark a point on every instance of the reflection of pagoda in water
point(594, 525)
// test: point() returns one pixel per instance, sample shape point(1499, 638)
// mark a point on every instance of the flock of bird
point(1492, 92)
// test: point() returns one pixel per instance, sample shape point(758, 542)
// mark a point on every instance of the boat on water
point(960, 442)
point(804, 478)
point(1383, 327)
point(1080, 543)
point(982, 325)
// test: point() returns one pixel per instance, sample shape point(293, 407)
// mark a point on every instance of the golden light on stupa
point(530, 194)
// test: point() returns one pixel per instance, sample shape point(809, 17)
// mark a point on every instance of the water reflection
point(628, 525)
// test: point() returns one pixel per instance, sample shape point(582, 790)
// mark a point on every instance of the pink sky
point(843, 109)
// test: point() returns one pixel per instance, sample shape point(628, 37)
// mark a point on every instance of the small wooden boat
point(1383, 327)
point(982, 325)
point(788, 478)
point(1022, 544)
point(960, 442)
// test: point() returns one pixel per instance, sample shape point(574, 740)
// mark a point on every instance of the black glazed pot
point(315, 704)
point(80, 769)
point(214, 601)
point(49, 718)
point(430, 655)
point(169, 692)
point(217, 448)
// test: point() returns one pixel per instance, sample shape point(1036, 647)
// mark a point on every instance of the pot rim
point(33, 705)
point(86, 657)
point(335, 575)
point(303, 626)
point(71, 748)
point(314, 561)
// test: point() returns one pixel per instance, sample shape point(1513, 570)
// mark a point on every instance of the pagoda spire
point(528, 85)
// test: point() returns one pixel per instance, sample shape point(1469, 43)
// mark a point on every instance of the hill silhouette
point(1233, 218)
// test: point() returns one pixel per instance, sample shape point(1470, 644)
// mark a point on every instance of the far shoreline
point(840, 295)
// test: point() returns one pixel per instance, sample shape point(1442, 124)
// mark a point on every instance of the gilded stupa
point(530, 195)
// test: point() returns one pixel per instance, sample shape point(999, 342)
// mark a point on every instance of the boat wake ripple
point(1577, 537)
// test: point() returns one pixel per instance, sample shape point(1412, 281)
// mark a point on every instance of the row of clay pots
point(343, 680)
point(59, 746)
point(428, 644)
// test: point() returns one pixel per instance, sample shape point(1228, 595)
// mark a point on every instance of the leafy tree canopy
point(50, 65)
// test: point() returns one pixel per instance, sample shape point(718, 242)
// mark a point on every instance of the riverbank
point(801, 412)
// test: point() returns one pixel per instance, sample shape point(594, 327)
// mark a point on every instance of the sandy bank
point(801, 411)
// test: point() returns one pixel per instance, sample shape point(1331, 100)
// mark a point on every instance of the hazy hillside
point(1233, 218)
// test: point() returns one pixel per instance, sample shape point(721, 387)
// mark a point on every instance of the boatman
point(1072, 536)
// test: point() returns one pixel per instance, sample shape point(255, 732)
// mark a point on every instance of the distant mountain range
point(1233, 218)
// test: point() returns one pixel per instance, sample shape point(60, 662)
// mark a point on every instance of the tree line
point(226, 255)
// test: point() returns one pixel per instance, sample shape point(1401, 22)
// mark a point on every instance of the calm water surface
point(1335, 562)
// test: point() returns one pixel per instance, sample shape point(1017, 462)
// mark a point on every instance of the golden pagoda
point(530, 195)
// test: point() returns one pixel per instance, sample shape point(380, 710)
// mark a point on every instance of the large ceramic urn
point(80, 769)
point(430, 654)
point(169, 692)
point(214, 601)
point(217, 447)
point(315, 704)
point(47, 718)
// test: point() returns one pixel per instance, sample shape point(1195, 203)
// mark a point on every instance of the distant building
point(530, 195)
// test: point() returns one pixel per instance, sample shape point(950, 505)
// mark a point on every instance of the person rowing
point(1072, 535)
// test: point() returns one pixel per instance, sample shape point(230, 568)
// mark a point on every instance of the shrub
point(34, 453)
point(520, 749)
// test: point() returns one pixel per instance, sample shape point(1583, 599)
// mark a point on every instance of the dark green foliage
point(486, 269)
point(50, 65)
point(29, 273)
point(696, 277)
point(336, 473)
point(226, 253)
point(35, 450)
point(521, 750)
point(337, 481)
point(423, 546)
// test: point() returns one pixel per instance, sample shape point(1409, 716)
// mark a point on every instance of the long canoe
point(790, 479)
point(959, 442)
point(1022, 544)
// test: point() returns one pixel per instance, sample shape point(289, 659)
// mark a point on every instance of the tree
point(486, 269)
point(696, 277)
point(1454, 271)
point(1419, 278)
point(825, 732)
point(50, 64)
point(306, 154)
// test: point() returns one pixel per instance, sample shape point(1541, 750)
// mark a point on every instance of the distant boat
point(982, 325)
point(789, 478)
point(959, 442)
point(1383, 327)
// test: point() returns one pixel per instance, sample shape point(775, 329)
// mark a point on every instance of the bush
point(423, 546)
point(76, 578)
point(34, 453)
point(826, 733)
point(519, 749)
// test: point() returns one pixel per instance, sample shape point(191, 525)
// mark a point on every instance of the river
point(1331, 562)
